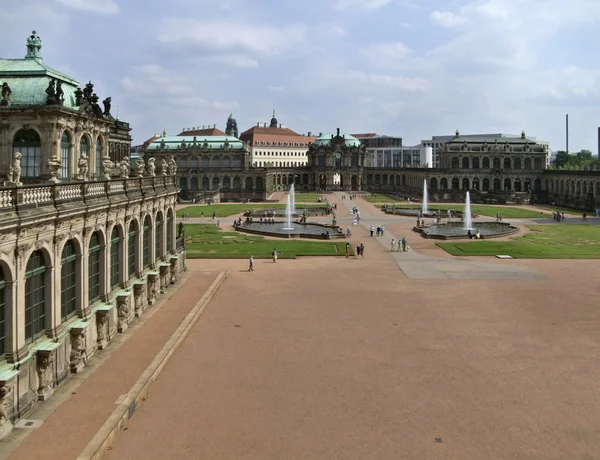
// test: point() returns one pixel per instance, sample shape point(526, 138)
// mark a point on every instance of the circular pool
point(456, 230)
point(298, 230)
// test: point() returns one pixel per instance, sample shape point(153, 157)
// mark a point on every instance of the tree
point(561, 159)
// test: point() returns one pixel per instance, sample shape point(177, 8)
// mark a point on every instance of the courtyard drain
point(236, 325)
point(438, 440)
point(28, 424)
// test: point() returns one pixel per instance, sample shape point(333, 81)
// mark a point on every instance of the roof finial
point(34, 45)
point(273, 120)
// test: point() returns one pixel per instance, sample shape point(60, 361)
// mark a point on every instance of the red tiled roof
point(260, 133)
point(203, 132)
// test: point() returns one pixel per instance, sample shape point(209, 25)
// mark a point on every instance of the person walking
point(251, 266)
point(362, 251)
point(403, 244)
point(274, 255)
point(371, 229)
point(347, 250)
point(393, 245)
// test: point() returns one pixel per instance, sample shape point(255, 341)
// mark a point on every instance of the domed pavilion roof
point(28, 78)
point(349, 140)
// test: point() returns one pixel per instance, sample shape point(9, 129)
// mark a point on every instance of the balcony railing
point(50, 194)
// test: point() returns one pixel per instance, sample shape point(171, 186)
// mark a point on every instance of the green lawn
point(204, 241)
point(224, 210)
point(507, 212)
point(381, 198)
point(551, 241)
point(309, 198)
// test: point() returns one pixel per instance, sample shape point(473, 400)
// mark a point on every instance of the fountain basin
point(456, 230)
point(277, 229)
point(414, 212)
point(310, 212)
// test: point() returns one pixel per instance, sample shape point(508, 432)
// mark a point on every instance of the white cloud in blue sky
point(398, 67)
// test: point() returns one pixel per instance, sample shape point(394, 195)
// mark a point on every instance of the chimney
point(320, 134)
point(264, 125)
point(258, 124)
point(214, 126)
point(309, 134)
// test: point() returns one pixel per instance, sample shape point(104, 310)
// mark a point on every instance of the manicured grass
point(204, 241)
point(507, 212)
point(551, 241)
point(309, 198)
point(381, 198)
point(224, 210)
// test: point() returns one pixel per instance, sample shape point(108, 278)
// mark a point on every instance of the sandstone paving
point(347, 358)
point(70, 427)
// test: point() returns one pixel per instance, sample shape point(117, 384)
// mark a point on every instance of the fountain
point(467, 217)
point(288, 214)
point(293, 198)
point(425, 209)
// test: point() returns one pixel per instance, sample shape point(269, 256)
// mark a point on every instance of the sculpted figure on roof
point(151, 167)
point(6, 91)
point(172, 166)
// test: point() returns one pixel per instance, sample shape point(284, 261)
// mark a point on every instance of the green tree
point(561, 159)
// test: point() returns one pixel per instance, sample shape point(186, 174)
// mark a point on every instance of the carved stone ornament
point(54, 165)
point(77, 349)
point(122, 312)
point(4, 391)
point(101, 319)
point(43, 364)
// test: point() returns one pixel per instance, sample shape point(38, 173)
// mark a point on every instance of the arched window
point(496, 163)
point(215, 162)
point(517, 163)
point(183, 183)
point(226, 182)
point(248, 184)
point(35, 297)
point(527, 163)
point(444, 183)
point(95, 253)
point(433, 183)
point(507, 163)
point(2, 312)
point(260, 183)
point(465, 163)
point(169, 231)
point(65, 147)
point(215, 183)
point(146, 243)
point(476, 163)
point(454, 163)
point(486, 163)
point(98, 157)
point(205, 162)
point(205, 183)
point(27, 141)
point(237, 183)
point(194, 185)
point(465, 184)
point(537, 163)
point(131, 249)
point(226, 162)
point(497, 184)
point(115, 258)
point(486, 184)
point(68, 281)
point(158, 237)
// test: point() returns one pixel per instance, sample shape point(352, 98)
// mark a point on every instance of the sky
point(410, 68)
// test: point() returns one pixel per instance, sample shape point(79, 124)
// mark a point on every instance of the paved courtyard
point(397, 356)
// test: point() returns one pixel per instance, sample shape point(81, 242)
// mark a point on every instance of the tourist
point(251, 266)
point(393, 245)
point(202, 214)
point(358, 250)
point(274, 255)
point(371, 229)
point(214, 215)
point(378, 231)
point(218, 223)
point(348, 232)
point(470, 234)
point(362, 251)
point(347, 250)
point(403, 244)
point(382, 228)
point(477, 235)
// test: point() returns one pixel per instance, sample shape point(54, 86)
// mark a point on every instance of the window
point(131, 246)
point(35, 297)
point(170, 229)
point(28, 143)
point(98, 157)
point(145, 242)
point(158, 236)
point(68, 281)
point(95, 251)
point(2, 313)
point(115, 258)
point(65, 146)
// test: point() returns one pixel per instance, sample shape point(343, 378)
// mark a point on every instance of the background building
point(274, 145)
point(388, 152)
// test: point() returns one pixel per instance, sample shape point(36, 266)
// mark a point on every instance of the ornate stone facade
point(78, 263)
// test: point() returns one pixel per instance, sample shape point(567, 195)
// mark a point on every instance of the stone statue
point(172, 166)
point(42, 367)
point(54, 165)
point(51, 92)
point(151, 167)
point(162, 144)
point(139, 167)
point(15, 169)
point(100, 330)
point(152, 290)
point(88, 90)
point(95, 107)
point(60, 95)
point(107, 166)
point(3, 414)
point(124, 167)
point(123, 312)
point(6, 92)
point(173, 270)
point(107, 105)
point(181, 230)
point(163, 167)
point(78, 96)
point(82, 164)
point(77, 349)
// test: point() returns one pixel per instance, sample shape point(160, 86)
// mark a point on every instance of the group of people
point(379, 231)
point(473, 236)
point(558, 216)
point(401, 246)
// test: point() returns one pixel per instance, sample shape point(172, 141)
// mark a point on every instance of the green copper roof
point(212, 142)
point(28, 78)
point(350, 141)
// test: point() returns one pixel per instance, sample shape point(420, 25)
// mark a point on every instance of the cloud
point(360, 4)
point(276, 89)
point(93, 6)
point(447, 19)
point(230, 36)
point(386, 51)
point(405, 25)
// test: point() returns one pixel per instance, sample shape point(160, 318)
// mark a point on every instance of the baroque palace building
point(84, 247)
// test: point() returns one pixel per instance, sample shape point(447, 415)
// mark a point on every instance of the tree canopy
point(581, 159)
